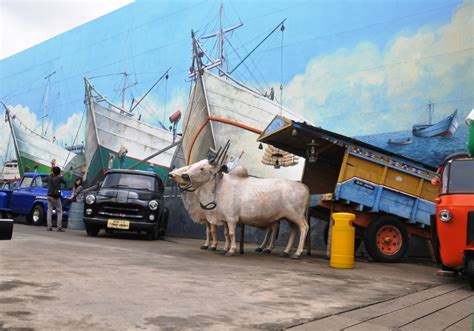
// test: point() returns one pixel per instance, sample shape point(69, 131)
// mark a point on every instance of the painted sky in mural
point(354, 67)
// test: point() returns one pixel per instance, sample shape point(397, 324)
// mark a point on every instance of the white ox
point(248, 200)
point(197, 214)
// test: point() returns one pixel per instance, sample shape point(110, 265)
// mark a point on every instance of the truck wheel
point(386, 239)
point(470, 272)
point(357, 241)
point(92, 231)
point(164, 222)
point(155, 233)
point(37, 215)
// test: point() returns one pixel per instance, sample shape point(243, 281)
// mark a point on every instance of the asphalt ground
point(68, 281)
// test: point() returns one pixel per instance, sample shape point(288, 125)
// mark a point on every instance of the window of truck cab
point(26, 181)
point(458, 177)
point(130, 181)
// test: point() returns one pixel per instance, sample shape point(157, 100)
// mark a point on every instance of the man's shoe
point(49, 229)
point(60, 230)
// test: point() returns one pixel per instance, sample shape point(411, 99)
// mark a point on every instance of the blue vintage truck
point(30, 199)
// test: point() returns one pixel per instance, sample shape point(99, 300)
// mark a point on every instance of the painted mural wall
point(361, 68)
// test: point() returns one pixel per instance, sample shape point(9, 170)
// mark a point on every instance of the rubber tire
point(470, 272)
point(371, 244)
point(164, 222)
point(92, 231)
point(357, 241)
point(153, 234)
point(41, 218)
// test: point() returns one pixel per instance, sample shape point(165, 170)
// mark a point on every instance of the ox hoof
point(229, 254)
point(284, 254)
point(267, 251)
point(204, 247)
point(211, 249)
point(258, 249)
point(295, 257)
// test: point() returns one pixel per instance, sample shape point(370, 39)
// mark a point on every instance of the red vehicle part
point(453, 235)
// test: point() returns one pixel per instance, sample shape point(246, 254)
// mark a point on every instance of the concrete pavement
point(68, 281)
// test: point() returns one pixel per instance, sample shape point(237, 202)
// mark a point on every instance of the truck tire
point(155, 233)
point(37, 216)
point(470, 272)
point(164, 222)
point(92, 231)
point(386, 239)
point(357, 241)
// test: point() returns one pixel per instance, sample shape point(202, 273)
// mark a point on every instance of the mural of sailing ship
point(445, 127)
point(221, 108)
point(115, 138)
point(36, 153)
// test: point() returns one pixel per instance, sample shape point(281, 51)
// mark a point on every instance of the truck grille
point(470, 227)
point(118, 211)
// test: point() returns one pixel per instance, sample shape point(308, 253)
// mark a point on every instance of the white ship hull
point(108, 131)
point(35, 152)
point(220, 109)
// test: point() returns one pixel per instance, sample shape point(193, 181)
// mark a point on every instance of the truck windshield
point(461, 177)
point(131, 181)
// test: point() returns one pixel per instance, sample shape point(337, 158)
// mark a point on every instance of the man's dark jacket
point(54, 185)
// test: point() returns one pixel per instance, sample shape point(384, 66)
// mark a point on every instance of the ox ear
point(224, 168)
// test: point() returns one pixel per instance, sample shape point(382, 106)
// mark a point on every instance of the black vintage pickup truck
point(127, 200)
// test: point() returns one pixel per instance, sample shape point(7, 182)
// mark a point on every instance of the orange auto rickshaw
point(453, 223)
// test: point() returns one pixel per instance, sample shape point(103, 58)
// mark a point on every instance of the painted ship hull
point(108, 131)
point(220, 109)
point(35, 153)
point(445, 127)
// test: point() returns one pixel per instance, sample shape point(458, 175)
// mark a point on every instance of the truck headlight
point(445, 215)
point(153, 205)
point(90, 199)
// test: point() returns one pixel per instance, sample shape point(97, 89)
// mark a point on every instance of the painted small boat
point(399, 141)
point(445, 127)
point(114, 138)
point(35, 152)
point(222, 108)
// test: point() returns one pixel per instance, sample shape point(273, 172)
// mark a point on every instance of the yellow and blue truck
point(392, 196)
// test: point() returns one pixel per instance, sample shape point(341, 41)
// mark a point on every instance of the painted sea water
point(431, 151)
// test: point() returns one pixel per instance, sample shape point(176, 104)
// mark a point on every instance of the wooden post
point(242, 238)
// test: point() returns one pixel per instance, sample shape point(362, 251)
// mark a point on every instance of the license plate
point(118, 224)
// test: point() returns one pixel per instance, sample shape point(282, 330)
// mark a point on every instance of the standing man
point(54, 181)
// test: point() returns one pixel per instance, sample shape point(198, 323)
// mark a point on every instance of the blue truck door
point(19, 196)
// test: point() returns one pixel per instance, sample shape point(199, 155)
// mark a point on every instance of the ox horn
point(221, 157)
point(216, 156)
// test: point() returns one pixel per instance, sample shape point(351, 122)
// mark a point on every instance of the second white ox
point(248, 200)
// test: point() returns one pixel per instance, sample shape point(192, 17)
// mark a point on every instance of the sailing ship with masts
point(36, 153)
point(445, 127)
point(115, 138)
point(221, 107)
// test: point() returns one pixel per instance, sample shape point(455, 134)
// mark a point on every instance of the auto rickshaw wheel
point(470, 272)
point(386, 239)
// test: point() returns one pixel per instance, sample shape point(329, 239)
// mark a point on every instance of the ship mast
point(45, 101)
point(199, 51)
point(430, 112)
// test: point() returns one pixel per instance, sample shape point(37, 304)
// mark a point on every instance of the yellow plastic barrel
point(342, 241)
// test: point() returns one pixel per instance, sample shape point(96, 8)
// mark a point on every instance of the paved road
point(56, 281)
